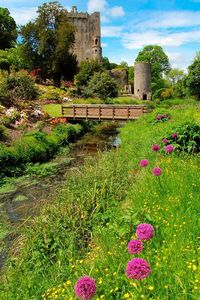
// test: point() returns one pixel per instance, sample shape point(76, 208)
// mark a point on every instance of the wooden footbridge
point(103, 112)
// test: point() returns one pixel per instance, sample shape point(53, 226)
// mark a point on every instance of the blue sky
point(128, 25)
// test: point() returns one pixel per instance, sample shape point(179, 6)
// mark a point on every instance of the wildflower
point(138, 269)
point(155, 147)
point(165, 141)
point(135, 247)
point(157, 171)
point(174, 135)
point(144, 231)
point(85, 288)
point(150, 288)
point(169, 148)
point(144, 163)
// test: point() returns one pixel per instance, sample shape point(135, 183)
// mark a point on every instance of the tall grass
point(86, 230)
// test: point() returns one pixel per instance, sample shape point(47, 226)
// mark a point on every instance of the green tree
point(103, 86)
point(47, 42)
point(193, 79)
point(8, 29)
point(106, 63)
point(14, 59)
point(159, 61)
point(174, 75)
point(87, 69)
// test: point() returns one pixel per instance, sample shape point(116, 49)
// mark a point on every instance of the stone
point(142, 81)
point(87, 36)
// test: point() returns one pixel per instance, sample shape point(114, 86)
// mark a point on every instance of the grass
point(86, 230)
point(54, 110)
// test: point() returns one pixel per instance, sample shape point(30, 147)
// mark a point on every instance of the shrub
point(102, 86)
point(35, 147)
point(188, 138)
point(2, 133)
point(166, 94)
point(17, 88)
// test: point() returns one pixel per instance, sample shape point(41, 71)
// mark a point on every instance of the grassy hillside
point(86, 230)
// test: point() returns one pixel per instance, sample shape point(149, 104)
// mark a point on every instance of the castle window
point(95, 50)
point(96, 42)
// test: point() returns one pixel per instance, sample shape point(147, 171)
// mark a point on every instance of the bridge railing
point(103, 112)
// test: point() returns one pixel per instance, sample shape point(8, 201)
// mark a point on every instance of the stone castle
point(88, 35)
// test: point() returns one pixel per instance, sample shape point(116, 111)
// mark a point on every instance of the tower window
point(96, 42)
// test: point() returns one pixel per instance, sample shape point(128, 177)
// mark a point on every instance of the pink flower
point(135, 247)
point(144, 163)
point(144, 231)
point(157, 171)
point(165, 141)
point(155, 147)
point(174, 135)
point(85, 288)
point(169, 148)
point(137, 269)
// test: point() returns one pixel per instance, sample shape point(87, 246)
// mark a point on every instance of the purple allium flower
point(169, 148)
point(144, 231)
point(157, 171)
point(137, 269)
point(144, 163)
point(174, 135)
point(135, 247)
point(165, 141)
point(85, 288)
point(158, 117)
point(155, 147)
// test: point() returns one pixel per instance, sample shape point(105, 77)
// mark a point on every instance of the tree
point(174, 75)
point(87, 69)
point(102, 86)
point(193, 79)
point(8, 29)
point(106, 63)
point(124, 65)
point(47, 41)
point(159, 61)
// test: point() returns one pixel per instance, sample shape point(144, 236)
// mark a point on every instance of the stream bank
point(22, 198)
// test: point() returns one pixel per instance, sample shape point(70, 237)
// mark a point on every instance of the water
point(24, 197)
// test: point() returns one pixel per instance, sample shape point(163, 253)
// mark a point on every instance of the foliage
point(17, 88)
point(188, 138)
point(159, 61)
point(174, 75)
point(87, 69)
point(8, 31)
point(155, 55)
point(35, 147)
point(193, 79)
point(47, 42)
point(2, 133)
point(103, 86)
point(106, 63)
point(4, 65)
point(166, 93)
point(86, 230)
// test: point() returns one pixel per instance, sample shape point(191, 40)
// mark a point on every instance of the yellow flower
point(151, 288)
point(100, 281)
point(126, 296)
point(68, 282)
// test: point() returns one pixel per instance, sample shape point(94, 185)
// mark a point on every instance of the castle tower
point(87, 36)
point(142, 81)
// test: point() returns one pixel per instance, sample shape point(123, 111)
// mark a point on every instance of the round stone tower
point(142, 81)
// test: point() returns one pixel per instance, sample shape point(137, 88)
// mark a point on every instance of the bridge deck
point(103, 112)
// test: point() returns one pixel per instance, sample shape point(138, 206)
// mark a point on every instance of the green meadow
point(86, 229)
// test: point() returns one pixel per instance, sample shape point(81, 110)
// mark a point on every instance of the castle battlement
point(87, 36)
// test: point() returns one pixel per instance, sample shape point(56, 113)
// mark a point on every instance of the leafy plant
point(188, 138)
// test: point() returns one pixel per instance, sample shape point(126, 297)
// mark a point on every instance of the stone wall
point(88, 35)
point(142, 81)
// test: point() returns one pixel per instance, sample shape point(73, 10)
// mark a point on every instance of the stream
point(22, 198)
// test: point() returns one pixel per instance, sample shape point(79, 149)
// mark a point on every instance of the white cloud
point(111, 31)
point(177, 19)
point(97, 5)
point(23, 15)
point(117, 11)
point(140, 39)
point(107, 12)
point(104, 45)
